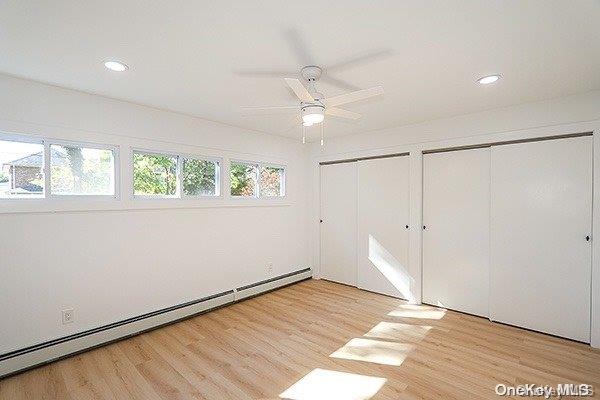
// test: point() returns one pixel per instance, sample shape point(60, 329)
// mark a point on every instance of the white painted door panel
point(456, 210)
point(540, 215)
point(383, 214)
point(339, 226)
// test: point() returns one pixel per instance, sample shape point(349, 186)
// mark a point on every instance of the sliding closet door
point(339, 226)
point(540, 250)
point(383, 215)
point(456, 210)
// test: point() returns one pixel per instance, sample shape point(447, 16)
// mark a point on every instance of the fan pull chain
point(303, 134)
point(322, 133)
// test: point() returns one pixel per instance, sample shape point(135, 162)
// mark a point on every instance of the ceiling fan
point(313, 106)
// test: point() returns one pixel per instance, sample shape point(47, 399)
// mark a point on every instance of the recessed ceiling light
point(486, 80)
point(116, 66)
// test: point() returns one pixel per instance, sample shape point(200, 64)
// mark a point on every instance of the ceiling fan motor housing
point(311, 72)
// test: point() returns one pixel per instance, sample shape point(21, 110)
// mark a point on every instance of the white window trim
point(87, 145)
point(177, 195)
point(259, 165)
point(218, 177)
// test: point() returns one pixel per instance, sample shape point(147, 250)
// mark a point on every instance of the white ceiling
point(195, 57)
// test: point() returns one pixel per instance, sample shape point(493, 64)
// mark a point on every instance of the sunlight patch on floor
point(375, 351)
point(417, 311)
point(398, 331)
point(324, 384)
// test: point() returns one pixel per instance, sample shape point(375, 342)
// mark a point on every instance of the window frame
point(218, 176)
point(87, 145)
point(259, 165)
point(178, 171)
point(121, 171)
point(11, 137)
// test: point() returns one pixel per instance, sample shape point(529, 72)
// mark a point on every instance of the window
point(154, 174)
point(21, 169)
point(201, 177)
point(272, 181)
point(244, 179)
point(256, 180)
point(77, 170)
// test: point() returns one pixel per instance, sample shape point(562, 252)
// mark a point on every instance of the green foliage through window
point(243, 179)
point(154, 174)
point(200, 177)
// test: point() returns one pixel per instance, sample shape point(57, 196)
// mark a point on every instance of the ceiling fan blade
point(337, 82)
point(340, 112)
point(353, 96)
point(299, 89)
point(269, 107)
point(298, 46)
point(266, 110)
point(359, 60)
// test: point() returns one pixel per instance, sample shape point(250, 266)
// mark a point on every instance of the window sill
point(133, 205)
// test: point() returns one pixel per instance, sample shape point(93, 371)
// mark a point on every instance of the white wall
point(573, 114)
point(115, 259)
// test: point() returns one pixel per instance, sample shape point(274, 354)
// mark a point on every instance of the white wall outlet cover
point(68, 316)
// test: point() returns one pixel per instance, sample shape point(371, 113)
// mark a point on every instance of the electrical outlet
point(68, 316)
point(270, 267)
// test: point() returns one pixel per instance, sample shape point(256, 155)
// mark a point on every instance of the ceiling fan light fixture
point(313, 114)
point(311, 119)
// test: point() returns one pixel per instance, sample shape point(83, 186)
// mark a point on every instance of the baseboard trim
point(273, 283)
point(43, 353)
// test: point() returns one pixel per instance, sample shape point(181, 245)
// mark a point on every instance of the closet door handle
point(587, 238)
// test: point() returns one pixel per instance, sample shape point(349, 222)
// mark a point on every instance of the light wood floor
point(312, 340)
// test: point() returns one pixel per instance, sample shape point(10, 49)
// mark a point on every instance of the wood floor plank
point(263, 346)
